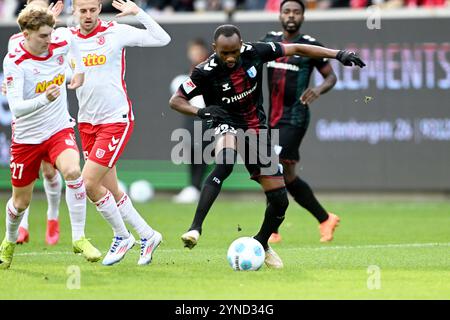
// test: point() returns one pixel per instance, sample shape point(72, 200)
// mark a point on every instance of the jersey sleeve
point(152, 36)
point(15, 78)
point(320, 62)
point(192, 86)
point(268, 51)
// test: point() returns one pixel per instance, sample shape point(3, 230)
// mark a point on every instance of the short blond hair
point(32, 18)
point(30, 1)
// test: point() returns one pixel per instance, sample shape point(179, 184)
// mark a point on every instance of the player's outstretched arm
point(182, 105)
point(153, 35)
point(347, 58)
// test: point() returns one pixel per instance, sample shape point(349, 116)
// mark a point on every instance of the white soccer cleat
point(272, 259)
point(190, 238)
point(119, 248)
point(148, 246)
point(189, 194)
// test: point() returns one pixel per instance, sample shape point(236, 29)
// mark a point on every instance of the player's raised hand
point(126, 8)
point(53, 92)
point(349, 58)
point(77, 81)
point(56, 8)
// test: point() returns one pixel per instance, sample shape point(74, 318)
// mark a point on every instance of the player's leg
point(15, 208)
point(226, 156)
point(53, 188)
point(63, 153)
point(24, 234)
point(150, 239)
point(277, 204)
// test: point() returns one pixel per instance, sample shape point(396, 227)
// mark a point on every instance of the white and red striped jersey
point(103, 97)
point(35, 118)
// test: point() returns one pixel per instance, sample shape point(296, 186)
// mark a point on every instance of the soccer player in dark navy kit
point(288, 79)
point(230, 82)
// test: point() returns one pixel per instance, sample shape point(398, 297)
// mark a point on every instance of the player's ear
point(99, 6)
point(214, 46)
point(26, 34)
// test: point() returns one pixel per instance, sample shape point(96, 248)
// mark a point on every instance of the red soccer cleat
point(52, 234)
point(275, 238)
point(327, 227)
point(24, 236)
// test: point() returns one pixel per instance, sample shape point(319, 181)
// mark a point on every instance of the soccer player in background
point(290, 97)
point(106, 120)
point(42, 126)
point(52, 178)
point(230, 82)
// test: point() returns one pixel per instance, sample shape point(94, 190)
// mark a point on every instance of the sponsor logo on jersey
point(92, 60)
point(282, 65)
point(240, 95)
point(42, 86)
point(252, 72)
point(189, 86)
point(99, 153)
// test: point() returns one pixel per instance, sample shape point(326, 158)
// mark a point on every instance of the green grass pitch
point(408, 243)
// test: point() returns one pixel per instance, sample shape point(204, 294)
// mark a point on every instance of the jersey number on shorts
point(17, 170)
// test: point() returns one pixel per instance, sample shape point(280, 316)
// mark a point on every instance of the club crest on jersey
point(99, 153)
point(60, 60)
point(252, 72)
point(189, 86)
point(101, 40)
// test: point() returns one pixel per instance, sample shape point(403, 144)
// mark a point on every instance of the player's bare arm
point(182, 105)
point(311, 94)
point(347, 58)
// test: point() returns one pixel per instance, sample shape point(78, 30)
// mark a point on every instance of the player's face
point(228, 49)
point(87, 12)
point(291, 16)
point(38, 41)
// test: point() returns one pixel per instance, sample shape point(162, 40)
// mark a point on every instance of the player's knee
point(48, 173)
point(71, 173)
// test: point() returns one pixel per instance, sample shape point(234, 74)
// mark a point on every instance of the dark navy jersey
point(237, 90)
point(288, 78)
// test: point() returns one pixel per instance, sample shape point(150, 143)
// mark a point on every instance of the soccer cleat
point(84, 247)
point(23, 237)
point(119, 247)
point(189, 194)
point(272, 259)
point(148, 246)
point(6, 253)
point(52, 233)
point(327, 227)
point(275, 237)
point(190, 238)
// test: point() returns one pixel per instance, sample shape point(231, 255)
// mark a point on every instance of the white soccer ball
point(246, 254)
point(141, 191)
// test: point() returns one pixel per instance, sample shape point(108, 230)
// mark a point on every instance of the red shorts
point(26, 158)
point(104, 143)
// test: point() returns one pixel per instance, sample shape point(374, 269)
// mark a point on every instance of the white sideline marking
point(375, 246)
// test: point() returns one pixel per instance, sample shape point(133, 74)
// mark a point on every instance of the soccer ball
point(141, 191)
point(246, 254)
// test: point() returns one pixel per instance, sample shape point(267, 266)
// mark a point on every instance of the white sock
point(13, 218)
point(131, 216)
point(24, 222)
point(108, 209)
point(53, 192)
point(76, 203)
